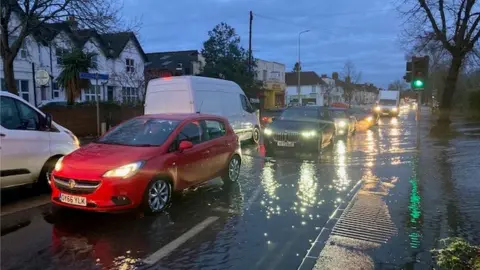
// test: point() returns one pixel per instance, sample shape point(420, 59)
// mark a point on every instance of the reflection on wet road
point(266, 221)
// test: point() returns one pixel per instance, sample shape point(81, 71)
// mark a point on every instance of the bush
point(457, 254)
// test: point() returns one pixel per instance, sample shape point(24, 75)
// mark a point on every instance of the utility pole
point(250, 43)
point(299, 66)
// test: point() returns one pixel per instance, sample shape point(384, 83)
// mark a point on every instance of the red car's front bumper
point(105, 195)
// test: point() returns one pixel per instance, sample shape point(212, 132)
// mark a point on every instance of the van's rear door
point(172, 95)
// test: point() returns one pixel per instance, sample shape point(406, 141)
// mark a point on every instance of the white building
point(118, 54)
point(272, 74)
point(334, 92)
point(312, 88)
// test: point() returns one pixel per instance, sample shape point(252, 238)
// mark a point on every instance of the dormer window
point(130, 65)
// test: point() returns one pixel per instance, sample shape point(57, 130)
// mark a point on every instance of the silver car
point(345, 123)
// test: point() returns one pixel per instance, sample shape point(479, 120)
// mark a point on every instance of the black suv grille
point(287, 136)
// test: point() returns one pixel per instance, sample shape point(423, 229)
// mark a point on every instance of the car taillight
point(264, 119)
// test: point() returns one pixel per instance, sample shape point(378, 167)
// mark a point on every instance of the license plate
point(286, 144)
point(385, 113)
point(75, 200)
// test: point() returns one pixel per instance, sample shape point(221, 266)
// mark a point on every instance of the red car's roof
point(180, 116)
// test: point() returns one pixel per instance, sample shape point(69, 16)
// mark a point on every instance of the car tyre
point(157, 196)
point(232, 171)
point(255, 136)
point(43, 183)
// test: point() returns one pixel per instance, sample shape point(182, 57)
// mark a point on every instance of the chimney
point(324, 76)
point(335, 75)
point(72, 22)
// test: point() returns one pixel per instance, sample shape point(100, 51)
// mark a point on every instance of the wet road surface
point(267, 220)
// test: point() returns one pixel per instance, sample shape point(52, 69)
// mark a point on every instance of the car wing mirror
point(48, 120)
point(184, 145)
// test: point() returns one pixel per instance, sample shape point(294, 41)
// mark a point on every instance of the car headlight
point(309, 134)
point(377, 108)
point(124, 171)
point(342, 124)
point(59, 164)
point(74, 138)
point(267, 131)
point(394, 109)
point(369, 119)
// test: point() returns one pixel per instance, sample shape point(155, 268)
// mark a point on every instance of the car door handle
point(206, 152)
point(3, 135)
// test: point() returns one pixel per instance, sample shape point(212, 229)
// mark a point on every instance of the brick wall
point(82, 119)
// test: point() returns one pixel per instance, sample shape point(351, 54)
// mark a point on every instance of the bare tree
point(23, 18)
point(398, 85)
point(351, 77)
point(133, 85)
point(454, 25)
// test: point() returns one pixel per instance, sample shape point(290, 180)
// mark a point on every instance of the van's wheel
point(157, 196)
point(43, 183)
point(255, 135)
point(232, 172)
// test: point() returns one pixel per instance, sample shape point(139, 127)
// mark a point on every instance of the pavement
point(380, 199)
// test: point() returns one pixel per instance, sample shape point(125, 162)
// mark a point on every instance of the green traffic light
point(418, 83)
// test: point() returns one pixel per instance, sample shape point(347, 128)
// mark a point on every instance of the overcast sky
point(363, 31)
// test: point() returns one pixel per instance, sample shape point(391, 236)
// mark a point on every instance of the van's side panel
point(169, 96)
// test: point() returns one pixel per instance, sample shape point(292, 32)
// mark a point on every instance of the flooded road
point(268, 220)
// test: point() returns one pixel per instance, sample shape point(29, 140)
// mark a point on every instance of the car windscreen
point(140, 132)
point(339, 114)
point(300, 114)
point(387, 102)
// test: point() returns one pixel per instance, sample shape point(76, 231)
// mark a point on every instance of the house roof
point(111, 44)
point(306, 78)
point(169, 60)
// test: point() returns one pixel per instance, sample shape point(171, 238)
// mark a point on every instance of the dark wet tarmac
point(266, 221)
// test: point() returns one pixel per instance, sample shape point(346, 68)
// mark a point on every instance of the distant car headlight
point(124, 171)
point(394, 109)
point(309, 134)
point(342, 124)
point(59, 164)
point(378, 108)
point(267, 131)
point(369, 119)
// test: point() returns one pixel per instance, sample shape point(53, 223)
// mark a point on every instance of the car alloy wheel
point(158, 195)
point(256, 135)
point(232, 171)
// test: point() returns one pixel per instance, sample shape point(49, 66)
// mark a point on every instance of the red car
point(140, 162)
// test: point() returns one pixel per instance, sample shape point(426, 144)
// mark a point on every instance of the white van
point(30, 143)
point(194, 94)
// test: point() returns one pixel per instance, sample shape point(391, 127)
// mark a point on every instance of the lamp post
point(299, 65)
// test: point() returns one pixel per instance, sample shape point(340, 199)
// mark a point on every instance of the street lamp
point(299, 65)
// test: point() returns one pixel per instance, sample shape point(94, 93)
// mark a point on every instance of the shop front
point(274, 96)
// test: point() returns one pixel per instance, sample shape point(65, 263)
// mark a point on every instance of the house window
point(59, 52)
point(23, 89)
point(314, 89)
point(23, 51)
point(129, 94)
point(3, 85)
point(56, 90)
point(130, 65)
point(264, 74)
point(90, 92)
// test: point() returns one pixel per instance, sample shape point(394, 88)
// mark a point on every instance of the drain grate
point(367, 219)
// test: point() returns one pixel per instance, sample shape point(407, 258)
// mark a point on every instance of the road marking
point(167, 249)
point(25, 205)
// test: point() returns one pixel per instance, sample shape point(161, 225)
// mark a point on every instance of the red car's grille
point(75, 186)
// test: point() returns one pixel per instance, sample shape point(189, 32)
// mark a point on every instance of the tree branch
point(438, 32)
point(442, 16)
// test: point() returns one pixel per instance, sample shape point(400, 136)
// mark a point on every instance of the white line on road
point(25, 205)
point(167, 249)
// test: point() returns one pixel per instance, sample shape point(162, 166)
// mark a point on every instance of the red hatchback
point(140, 162)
